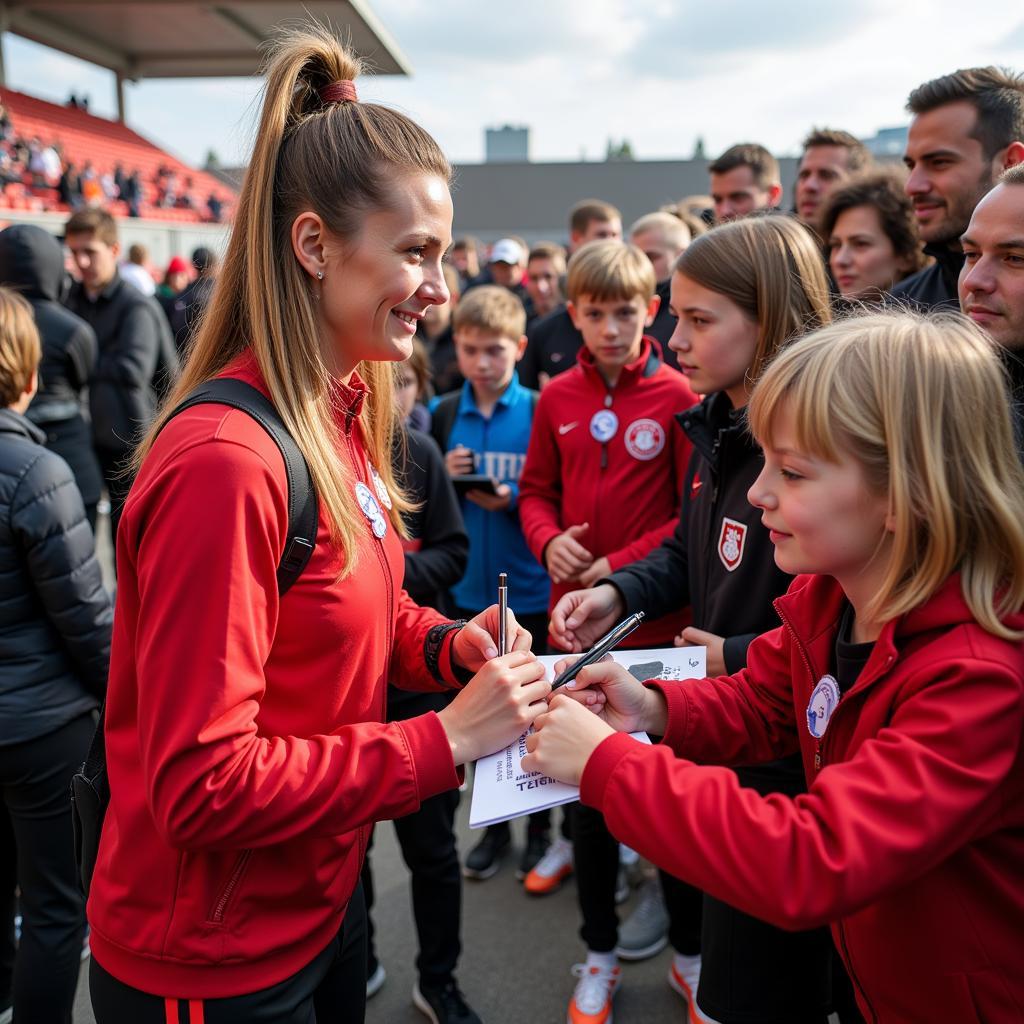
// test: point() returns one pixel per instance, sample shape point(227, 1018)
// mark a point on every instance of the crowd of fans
point(944, 232)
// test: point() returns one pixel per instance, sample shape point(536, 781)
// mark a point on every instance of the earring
point(319, 275)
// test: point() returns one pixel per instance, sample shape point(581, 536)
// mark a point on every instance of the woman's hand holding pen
point(616, 697)
point(477, 642)
point(563, 739)
point(496, 706)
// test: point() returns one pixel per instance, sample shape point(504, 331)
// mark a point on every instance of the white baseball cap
point(506, 250)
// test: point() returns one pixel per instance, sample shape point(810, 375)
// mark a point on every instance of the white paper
point(502, 790)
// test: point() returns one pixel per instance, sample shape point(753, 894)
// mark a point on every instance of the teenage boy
point(545, 268)
point(136, 352)
point(484, 429)
point(992, 280)
point(830, 158)
point(968, 127)
point(745, 178)
point(554, 340)
point(600, 490)
point(662, 237)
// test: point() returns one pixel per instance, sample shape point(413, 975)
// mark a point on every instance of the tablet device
point(475, 482)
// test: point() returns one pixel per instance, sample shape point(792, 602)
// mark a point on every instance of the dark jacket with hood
point(32, 263)
point(935, 287)
point(56, 615)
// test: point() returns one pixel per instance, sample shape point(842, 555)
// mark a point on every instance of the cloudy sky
point(578, 72)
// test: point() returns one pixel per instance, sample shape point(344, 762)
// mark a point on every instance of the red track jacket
point(246, 755)
point(910, 840)
point(628, 489)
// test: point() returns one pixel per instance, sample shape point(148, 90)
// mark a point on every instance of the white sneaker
point(551, 870)
point(591, 1001)
point(375, 982)
point(684, 977)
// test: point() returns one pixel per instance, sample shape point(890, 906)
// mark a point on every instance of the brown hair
point(763, 166)
point(20, 349)
point(97, 223)
point(585, 212)
point(610, 271)
point(900, 392)
point(548, 251)
point(883, 192)
point(771, 268)
point(138, 254)
point(419, 365)
point(858, 156)
point(493, 309)
point(340, 160)
point(995, 93)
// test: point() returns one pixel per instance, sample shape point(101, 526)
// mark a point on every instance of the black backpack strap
point(303, 515)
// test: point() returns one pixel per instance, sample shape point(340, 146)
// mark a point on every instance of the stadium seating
point(84, 137)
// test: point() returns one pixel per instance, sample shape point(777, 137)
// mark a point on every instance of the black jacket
point(32, 262)
point(137, 361)
point(693, 565)
point(186, 308)
point(935, 287)
point(690, 567)
point(54, 610)
point(664, 325)
point(552, 346)
point(437, 554)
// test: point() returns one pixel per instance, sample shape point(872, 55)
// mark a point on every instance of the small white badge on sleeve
point(823, 702)
point(372, 510)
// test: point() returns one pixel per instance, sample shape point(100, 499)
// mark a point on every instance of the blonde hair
point(771, 268)
point(609, 271)
point(340, 160)
point(921, 403)
point(20, 348)
point(674, 231)
point(492, 309)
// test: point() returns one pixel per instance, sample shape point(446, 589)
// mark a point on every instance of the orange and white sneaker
point(551, 870)
point(684, 977)
point(591, 1002)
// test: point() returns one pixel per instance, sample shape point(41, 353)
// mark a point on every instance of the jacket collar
point(645, 365)
point(12, 422)
point(711, 419)
point(509, 397)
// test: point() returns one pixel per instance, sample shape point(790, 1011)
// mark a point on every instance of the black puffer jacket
point(55, 615)
point(32, 262)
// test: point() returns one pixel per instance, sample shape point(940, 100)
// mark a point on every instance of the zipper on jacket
point(217, 914)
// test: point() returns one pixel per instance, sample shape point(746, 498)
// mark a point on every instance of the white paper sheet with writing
point(502, 790)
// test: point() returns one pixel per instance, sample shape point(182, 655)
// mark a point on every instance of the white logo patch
point(731, 542)
point(566, 427)
point(645, 439)
point(603, 425)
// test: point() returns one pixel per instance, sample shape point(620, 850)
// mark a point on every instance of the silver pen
point(502, 613)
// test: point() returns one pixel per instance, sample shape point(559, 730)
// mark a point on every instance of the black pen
point(502, 613)
point(600, 649)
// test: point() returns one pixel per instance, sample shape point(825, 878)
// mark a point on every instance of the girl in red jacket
point(246, 746)
point(898, 673)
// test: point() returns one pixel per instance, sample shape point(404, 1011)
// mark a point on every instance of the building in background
point(509, 144)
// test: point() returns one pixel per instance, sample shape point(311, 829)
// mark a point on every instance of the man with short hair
point(134, 271)
point(507, 266)
point(545, 268)
point(830, 158)
point(662, 237)
point(991, 284)
point(553, 340)
point(967, 128)
point(136, 354)
point(744, 179)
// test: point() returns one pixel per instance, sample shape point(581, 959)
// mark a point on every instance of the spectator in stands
point(133, 193)
point(120, 180)
point(110, 192)
point(136, 352)
point(870, 234)
point(991, 283)
point(69, 188)
point(36, 163)
point(10, 173)
point(662, 237)
point(53, 674)
point(744, 178)
point(188, 307)
point(829, 159)
point(92, 191)
point(32, 263)
point(186, 200)
point(967, 128)
point(6, 128)
point(133, 270)
point(465, 257)
point(553, 340)
point(545, 268)
point(216, 208)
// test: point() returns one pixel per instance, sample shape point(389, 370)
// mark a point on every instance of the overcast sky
point(578, 72)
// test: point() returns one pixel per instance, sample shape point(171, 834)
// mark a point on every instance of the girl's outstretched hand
point(563, 739)
point(618, 698)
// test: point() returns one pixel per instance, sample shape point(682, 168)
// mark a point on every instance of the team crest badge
point(731, 542)
point(644, 439)
point(824, 699)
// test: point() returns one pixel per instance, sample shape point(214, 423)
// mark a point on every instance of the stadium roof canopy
point(183, 39)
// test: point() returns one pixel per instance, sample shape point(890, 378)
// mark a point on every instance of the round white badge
point(379, 487)
point(603, 425)
point(371, 509)
point(823, 702)
point(644, 439)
